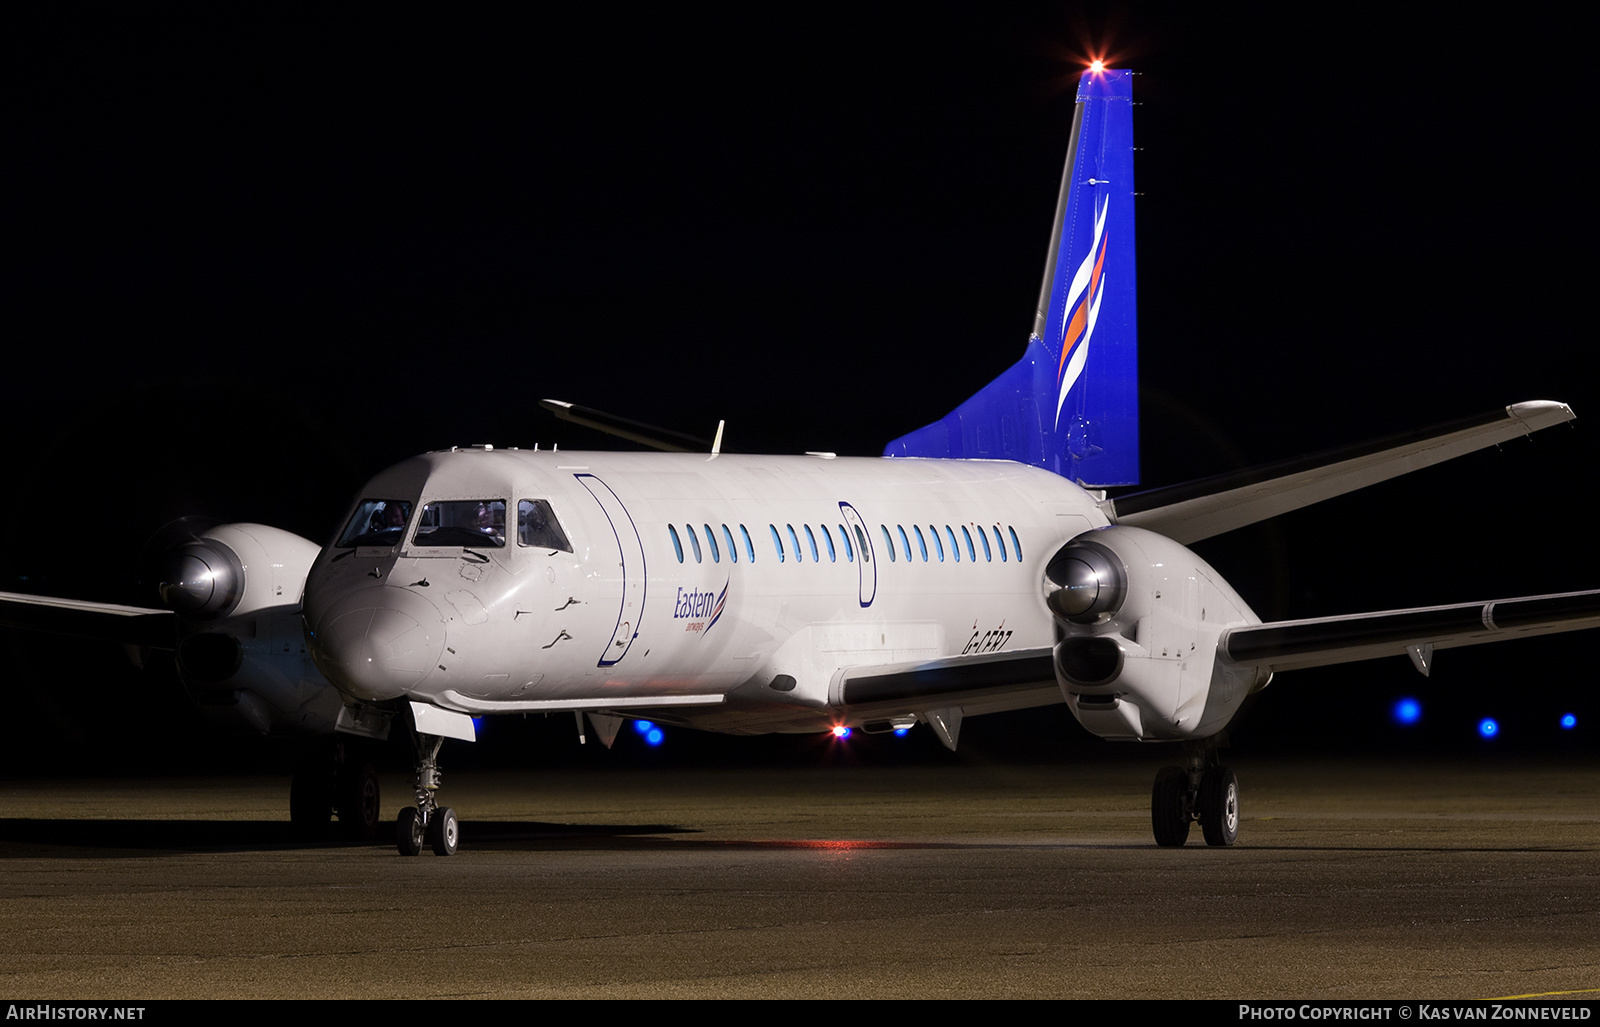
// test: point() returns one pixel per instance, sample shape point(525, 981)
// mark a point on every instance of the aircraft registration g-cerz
point(975, 568)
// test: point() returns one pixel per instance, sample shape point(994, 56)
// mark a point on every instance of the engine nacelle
point(233, 570)
point(1138, 617)
point(241, 652)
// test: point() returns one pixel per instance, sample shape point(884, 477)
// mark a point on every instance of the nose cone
point(377, 643)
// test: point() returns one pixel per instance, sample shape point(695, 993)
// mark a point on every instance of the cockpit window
point(376, 522)
point(537, 526)
point(462, 522)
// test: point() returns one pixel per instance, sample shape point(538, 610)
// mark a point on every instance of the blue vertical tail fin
point(1071, 404)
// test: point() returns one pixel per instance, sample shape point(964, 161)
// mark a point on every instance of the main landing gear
point(427, 821)
point(1204, 790)
point(333, 780)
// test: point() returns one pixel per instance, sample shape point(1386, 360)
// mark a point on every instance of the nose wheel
point(408, 831)
point(444, 831)
point(427, 822)
point(1204, 791)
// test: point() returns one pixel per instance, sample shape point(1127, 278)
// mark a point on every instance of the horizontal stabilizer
point(1200, 509)
point(128, 625)
point(654, 436)
point(1289, 645)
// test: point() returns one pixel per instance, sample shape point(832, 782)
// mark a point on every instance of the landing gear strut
point(1203, 790)
point(427, 821)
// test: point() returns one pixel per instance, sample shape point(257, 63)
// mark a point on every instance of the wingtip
point(1540, 413)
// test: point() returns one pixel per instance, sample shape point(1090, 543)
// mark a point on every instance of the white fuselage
point(659, 601)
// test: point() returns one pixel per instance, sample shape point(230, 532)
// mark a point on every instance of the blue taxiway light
point(1488, 728)
point(1569, 721)
point(1407, 711)
point(642, 726)
point(653, 736)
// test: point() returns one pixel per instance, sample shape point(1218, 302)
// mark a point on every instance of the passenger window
point(887, 541)
point(828, 538)
point(812, 539)
point(844, 538)
point(1016, 547)
point(955, 550)
point(749, 547)
point(922, 543)
point(999, 543)
point(677, 546)
point(733, 550)
point(537, 526)
point(694, 541)
point(468, 522)
point(987, 557)
point(938, 546)
point(777, 543)
point(905, 543)
point(861, 543)
point(794, 543)
point(972, 556)
point(711, 541)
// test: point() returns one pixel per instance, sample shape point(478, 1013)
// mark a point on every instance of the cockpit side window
point(463, 522)
point(537, 526)
point(376, 522)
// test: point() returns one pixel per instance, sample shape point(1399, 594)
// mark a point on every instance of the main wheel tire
point(1219, 806)
point(1167, 817)
point(310, 803)
point(359, 801)
point(444, 832)
point(408, 832)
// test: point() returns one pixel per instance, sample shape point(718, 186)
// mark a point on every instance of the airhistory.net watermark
point(48, 1011)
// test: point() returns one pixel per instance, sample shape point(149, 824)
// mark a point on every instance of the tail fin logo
point(1095, 440)
point(1077, 330)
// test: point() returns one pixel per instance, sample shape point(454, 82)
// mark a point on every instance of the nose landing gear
point(427, 821)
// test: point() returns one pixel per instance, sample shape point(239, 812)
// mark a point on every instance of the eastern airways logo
point(700, 609)
point(1088, 286)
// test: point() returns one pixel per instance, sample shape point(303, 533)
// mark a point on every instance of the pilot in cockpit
point(536, 526)
point(491, 521)
point(388, 517)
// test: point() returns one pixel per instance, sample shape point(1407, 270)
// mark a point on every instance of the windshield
point(376, 522)
point(537, 526)
point(462, 522)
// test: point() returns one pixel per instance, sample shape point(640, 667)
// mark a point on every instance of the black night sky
point(250, 261)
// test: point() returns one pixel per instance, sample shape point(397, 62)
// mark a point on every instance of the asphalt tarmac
point(1350, 881)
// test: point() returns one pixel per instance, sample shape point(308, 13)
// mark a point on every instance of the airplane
point(978, 566)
